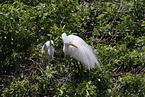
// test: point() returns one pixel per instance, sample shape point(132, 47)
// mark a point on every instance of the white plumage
point(48, 51)
point(80, 50)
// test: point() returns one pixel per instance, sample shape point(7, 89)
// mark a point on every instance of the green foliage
point(129, 85)
point(114, 29)
point(21, 88)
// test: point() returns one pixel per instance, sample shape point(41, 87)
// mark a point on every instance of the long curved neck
point(66, 48)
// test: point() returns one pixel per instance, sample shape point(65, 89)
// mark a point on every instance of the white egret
point(48, 51)
point(79, 50)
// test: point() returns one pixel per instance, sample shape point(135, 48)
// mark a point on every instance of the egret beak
point(73, 45)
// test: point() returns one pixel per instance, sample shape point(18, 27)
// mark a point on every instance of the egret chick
point(79, 50)
point(48, 51)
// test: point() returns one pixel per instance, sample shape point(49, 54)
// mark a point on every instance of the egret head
point(66, 40)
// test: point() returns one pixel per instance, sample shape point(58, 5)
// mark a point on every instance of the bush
point(114, 29)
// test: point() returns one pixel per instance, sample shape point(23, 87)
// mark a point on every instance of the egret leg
point(80, 71)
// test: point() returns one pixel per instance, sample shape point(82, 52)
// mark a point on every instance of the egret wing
point(83, 53)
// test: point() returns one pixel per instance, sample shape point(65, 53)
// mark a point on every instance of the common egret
point(79, 50)
point(48, 51)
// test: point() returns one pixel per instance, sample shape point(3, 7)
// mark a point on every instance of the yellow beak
point(73, 45)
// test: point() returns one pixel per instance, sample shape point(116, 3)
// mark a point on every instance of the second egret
point(48, 51)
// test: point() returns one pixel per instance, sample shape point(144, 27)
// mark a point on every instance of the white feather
point(83, 52)
point(48, 51)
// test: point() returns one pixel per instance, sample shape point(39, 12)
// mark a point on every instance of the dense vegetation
point(114, 29)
